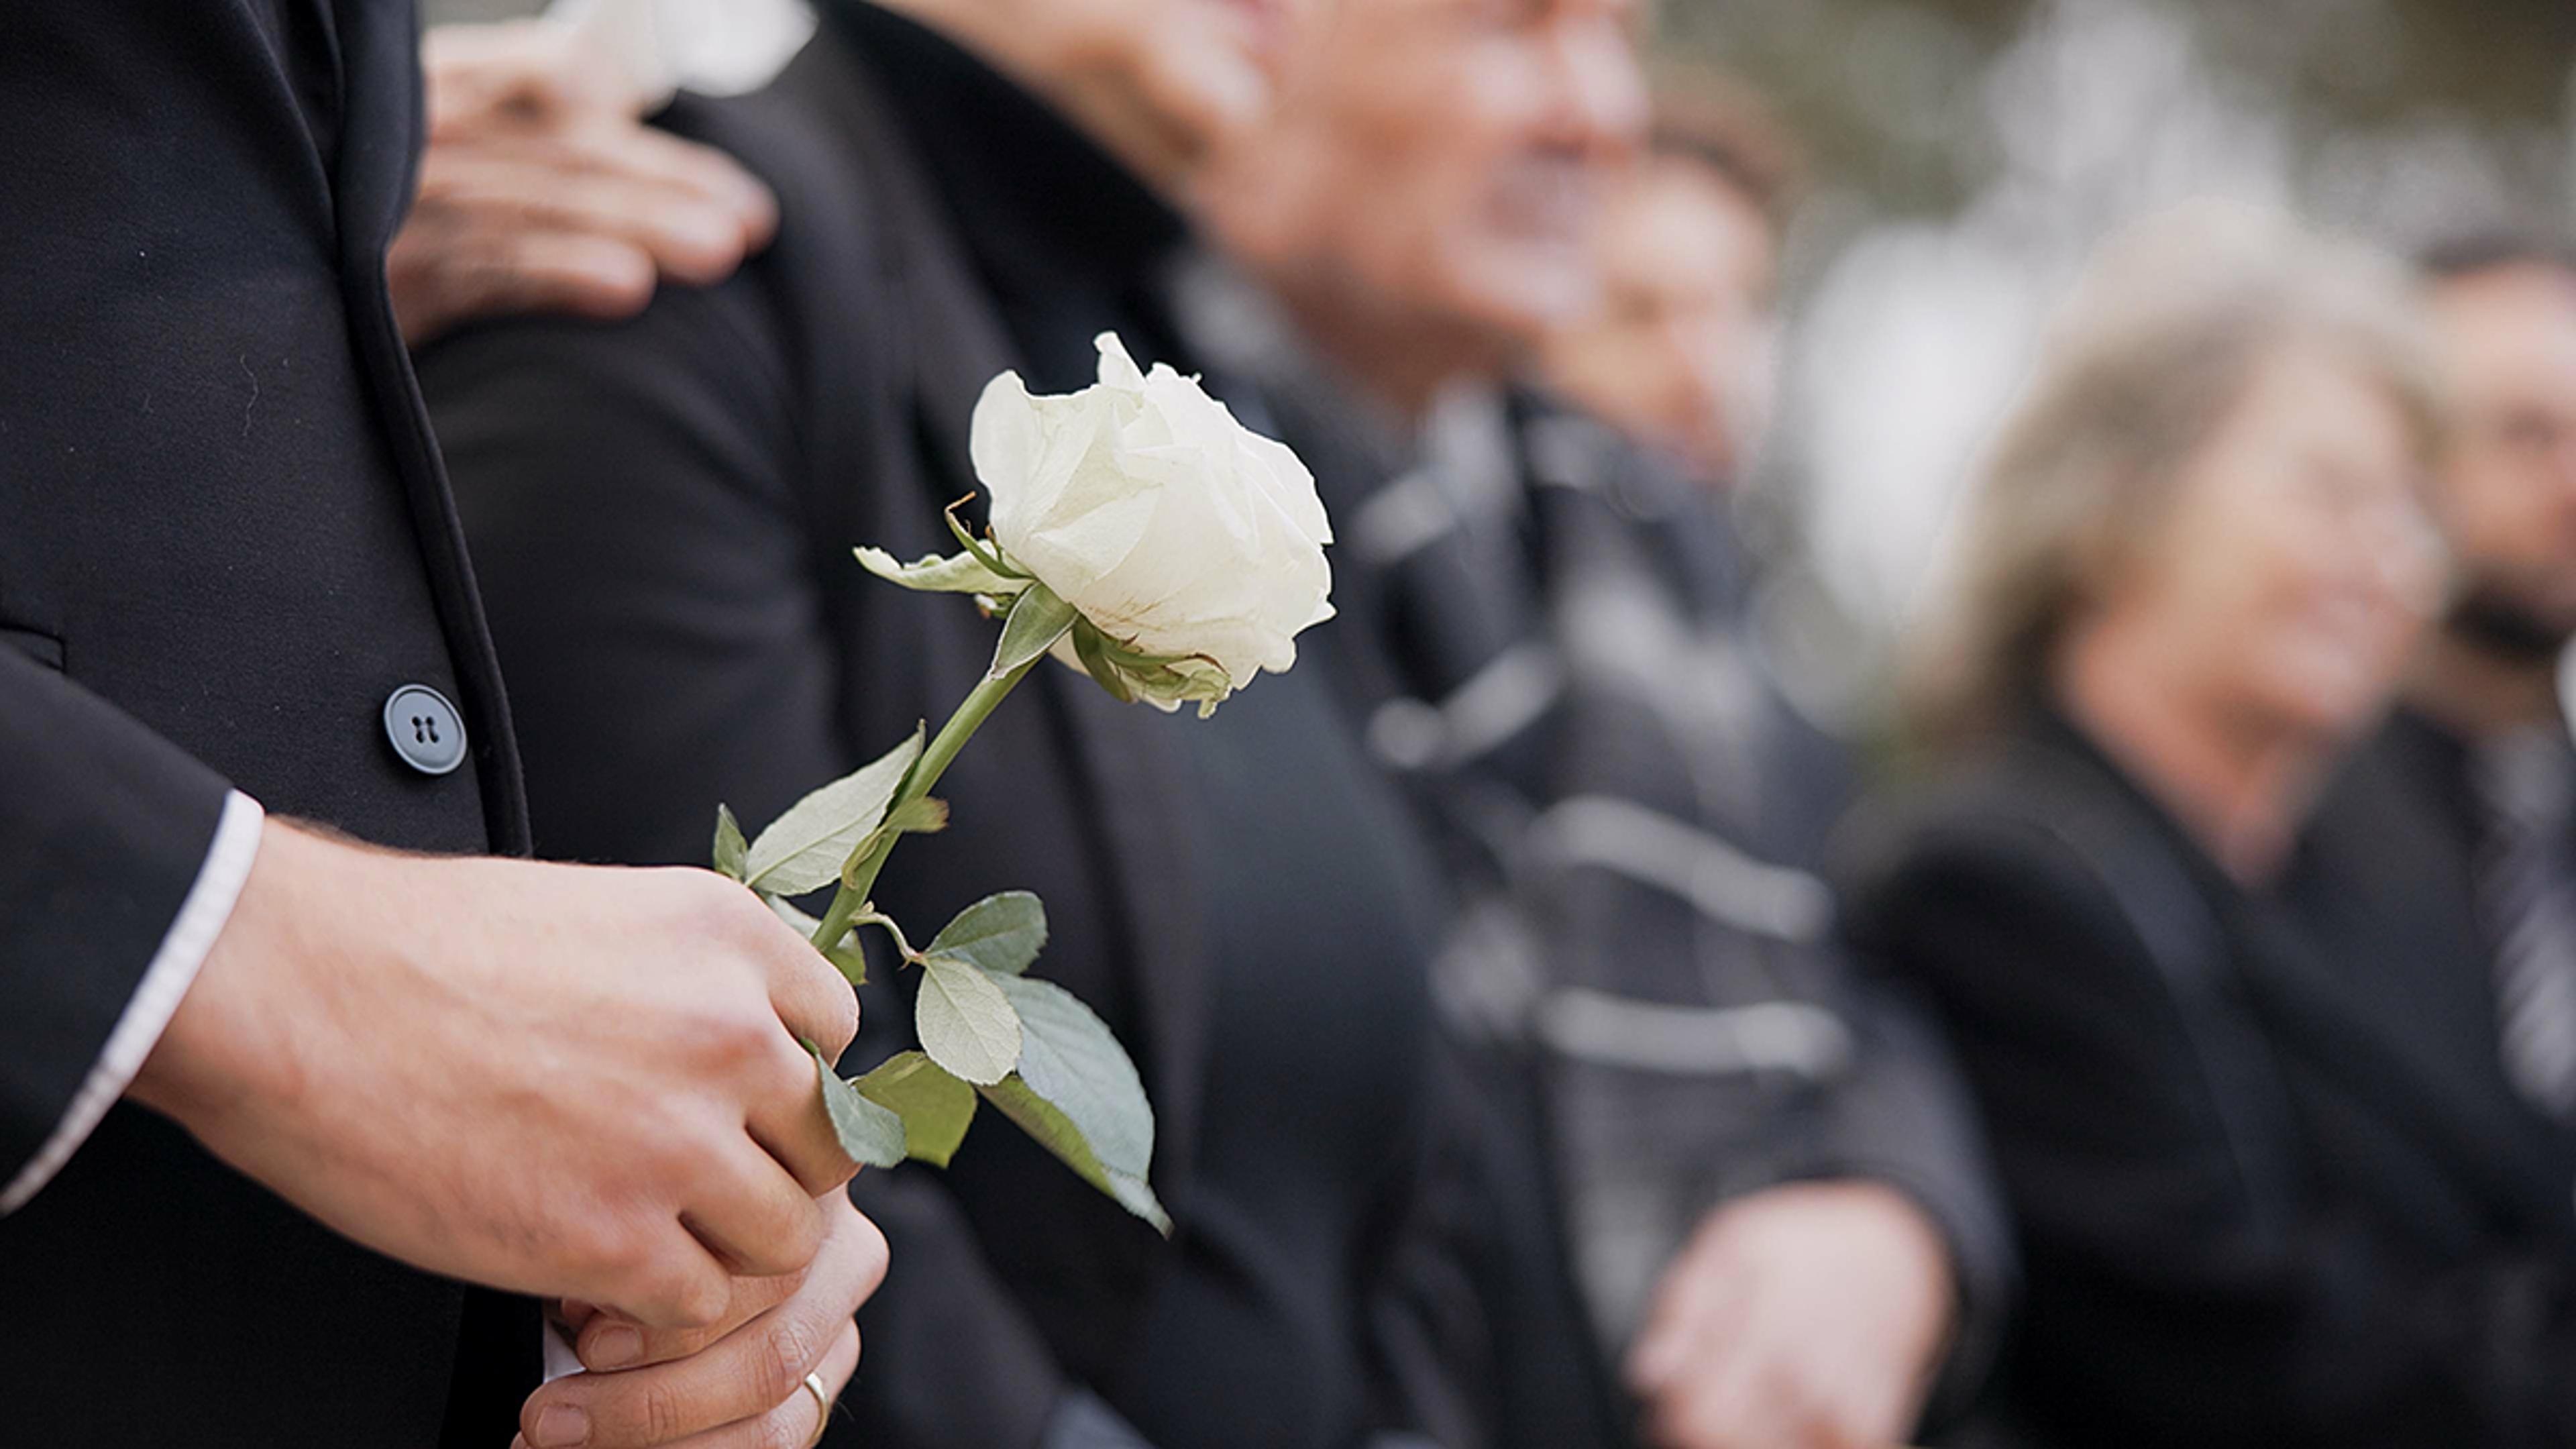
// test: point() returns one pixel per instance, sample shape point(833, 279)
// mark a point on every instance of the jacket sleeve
point(105, 832)
point(1904, 1118)
point(633, 496)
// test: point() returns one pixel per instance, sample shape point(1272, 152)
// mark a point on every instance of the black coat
point(2269, 1194)
point(663, 512)
point(224, 541)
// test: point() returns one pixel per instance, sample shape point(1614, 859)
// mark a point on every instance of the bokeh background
point(1965, 155)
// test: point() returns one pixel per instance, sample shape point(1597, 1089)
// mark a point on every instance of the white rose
point(1176, 532)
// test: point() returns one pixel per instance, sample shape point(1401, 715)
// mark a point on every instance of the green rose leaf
point(1037, 621)
point(870, 1134)
point(962, 573)
point(1056, 1132)
point(731, 850)
point(847, 957)
point(922, 816)
point(804, 849)
point(1069, 1058)
point(965, 1022)
point(1001, 933)
point(936, 1107)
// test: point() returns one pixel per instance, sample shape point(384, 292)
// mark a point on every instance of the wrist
point(225, 1040)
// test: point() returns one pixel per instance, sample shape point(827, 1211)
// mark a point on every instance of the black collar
point(1067, 238)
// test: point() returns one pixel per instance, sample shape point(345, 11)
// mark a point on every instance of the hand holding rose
point(393, 1043)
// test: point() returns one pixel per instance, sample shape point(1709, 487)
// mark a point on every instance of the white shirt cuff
point(561, 1361)
point(192, 933)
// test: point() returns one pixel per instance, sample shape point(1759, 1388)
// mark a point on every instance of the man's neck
point(1402, 356)
point(2478, 694)
point(1015, 40)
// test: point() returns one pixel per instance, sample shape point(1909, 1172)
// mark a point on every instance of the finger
point(519, 73)
point(795, 1128)
point(573, 1314)
point(696, 237)
point(711, 174)
point(1699, 1395)
point(757, 1219)
point(674, 1283)
point(1723, 1401)
point(797, 1422)
point(606, 1343)
point(812, 999)
point(535, 165)
point(438, 290)
point(1690, 1296)
point(744, 1376)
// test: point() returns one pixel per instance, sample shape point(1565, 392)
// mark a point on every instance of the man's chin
point(2509, 628)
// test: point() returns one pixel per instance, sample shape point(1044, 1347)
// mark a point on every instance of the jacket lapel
point(380, 136)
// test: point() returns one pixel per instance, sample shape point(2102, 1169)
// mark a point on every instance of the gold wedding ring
point(822, 1407)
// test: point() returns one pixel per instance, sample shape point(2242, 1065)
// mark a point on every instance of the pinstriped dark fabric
point(1555, 647)
point(2527, 888)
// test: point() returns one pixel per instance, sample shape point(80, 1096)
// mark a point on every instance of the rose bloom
point(1177, 532)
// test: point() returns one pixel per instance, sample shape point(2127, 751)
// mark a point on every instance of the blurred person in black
point(2264, 1198)
point(664, 511)
point(1774, 1166)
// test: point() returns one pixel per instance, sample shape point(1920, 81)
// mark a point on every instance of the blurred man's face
point(1452, 153)
point(2508, 491)
point(1682, 352)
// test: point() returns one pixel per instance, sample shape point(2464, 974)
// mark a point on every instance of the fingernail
point(562, 1426)
point(614, 1347)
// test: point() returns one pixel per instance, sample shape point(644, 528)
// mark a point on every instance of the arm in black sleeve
point(1903, 1117)
point(658, 593)
point(104, 827)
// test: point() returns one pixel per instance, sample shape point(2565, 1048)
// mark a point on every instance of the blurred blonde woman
point(2197, 566)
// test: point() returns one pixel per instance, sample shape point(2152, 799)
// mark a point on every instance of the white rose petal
point(1173, 529)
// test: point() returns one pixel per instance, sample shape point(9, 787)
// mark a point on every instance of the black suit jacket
point(224, 540)
point(2268, 1194)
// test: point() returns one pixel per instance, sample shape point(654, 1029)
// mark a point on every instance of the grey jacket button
point(425, 729)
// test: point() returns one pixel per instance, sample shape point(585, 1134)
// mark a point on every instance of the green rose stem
point(852, 897)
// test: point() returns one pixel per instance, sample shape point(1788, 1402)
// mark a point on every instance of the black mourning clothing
point(2272, 1186)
